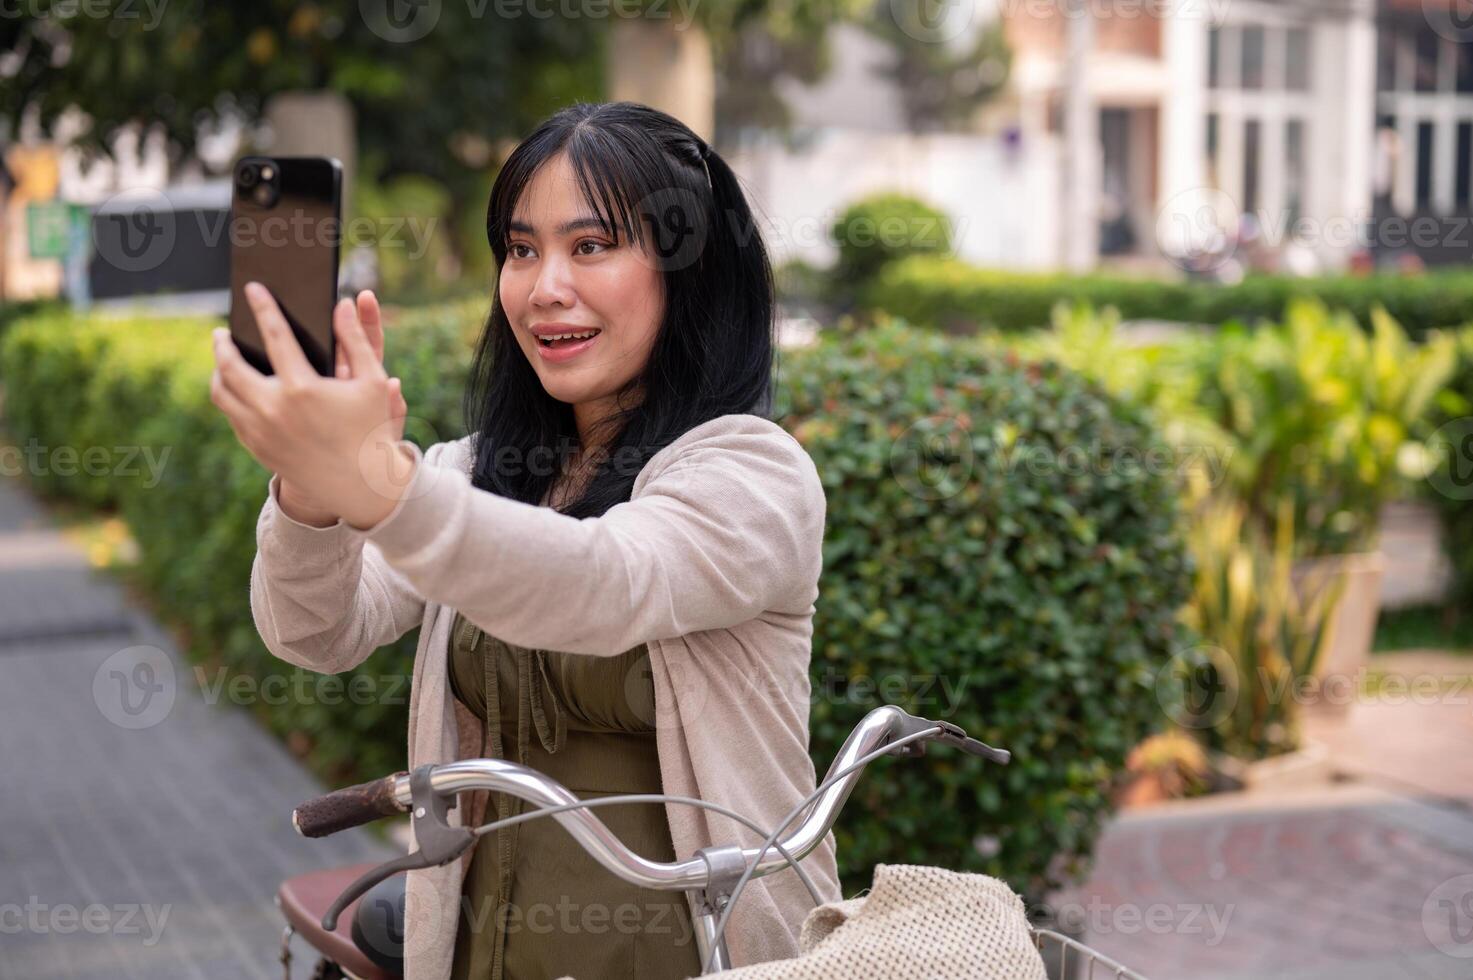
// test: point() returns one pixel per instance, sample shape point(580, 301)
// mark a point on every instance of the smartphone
point(285, 231)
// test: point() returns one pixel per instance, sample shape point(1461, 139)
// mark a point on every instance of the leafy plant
point(1261, 637)
point(1313, 409)
point(1174, 759)
point(1322, 414)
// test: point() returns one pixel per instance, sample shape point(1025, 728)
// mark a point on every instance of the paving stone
point(187, 818)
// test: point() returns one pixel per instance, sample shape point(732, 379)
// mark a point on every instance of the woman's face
point(563, 277)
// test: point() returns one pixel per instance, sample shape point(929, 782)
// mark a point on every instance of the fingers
point(362, 361)
point(282, 349)
point(344, 308)
point(372, 319)
point(235, 411)
point(248, 385)
point(398, 407)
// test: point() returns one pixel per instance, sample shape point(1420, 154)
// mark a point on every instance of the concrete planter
point(1307, 765)
point(1352, 625)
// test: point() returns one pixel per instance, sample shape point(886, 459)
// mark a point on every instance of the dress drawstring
point(535, 701)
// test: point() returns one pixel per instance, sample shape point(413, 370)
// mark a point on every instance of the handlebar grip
point(348, 807)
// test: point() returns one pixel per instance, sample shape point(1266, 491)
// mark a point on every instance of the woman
point(614, 573)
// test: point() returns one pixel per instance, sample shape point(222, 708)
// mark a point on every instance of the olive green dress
point(534, 903)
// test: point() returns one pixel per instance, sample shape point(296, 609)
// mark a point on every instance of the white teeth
point(548, 338)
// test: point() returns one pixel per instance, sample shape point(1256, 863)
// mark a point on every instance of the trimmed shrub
point(957, 297)
point(884, 228)
point(993, 559)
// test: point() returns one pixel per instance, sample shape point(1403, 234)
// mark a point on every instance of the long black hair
point(645, 174)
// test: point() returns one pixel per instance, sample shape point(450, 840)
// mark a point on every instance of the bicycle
point(712, 879)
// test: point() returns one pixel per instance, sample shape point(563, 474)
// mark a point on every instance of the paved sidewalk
point(144, 830)
point(1415, 737)
point(1366, 878)
point(1343, 883)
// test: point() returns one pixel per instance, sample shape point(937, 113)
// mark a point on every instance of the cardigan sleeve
point(724, 524)
point(324, 598)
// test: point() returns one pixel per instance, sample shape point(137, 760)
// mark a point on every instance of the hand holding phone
point(370, 317)
point(327, 437)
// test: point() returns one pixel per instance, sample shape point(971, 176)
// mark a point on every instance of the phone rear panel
point(285, 230)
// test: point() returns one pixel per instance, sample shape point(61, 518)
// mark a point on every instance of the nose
point(553, 285)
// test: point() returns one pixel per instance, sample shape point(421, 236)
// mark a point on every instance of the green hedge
point(958, 297)
point(1035, 609)
point(87, 382)
point(967, 547)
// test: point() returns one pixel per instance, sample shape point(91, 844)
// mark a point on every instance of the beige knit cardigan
point(713, 562)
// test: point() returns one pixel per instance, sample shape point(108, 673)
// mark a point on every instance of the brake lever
point(950, 734)
point(439, 843)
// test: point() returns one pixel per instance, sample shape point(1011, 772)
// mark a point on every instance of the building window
point(1214, 121)
point(1425, 84)
point(1296, 59)
point(1424, 166)
point(1461, 177)
point(1252, 41)
point(1293, 168)
point(1214, 57)
point(1251, 129)
point(1424, 70)
point(1387, 40)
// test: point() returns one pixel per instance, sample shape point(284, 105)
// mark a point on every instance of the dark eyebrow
point(562, 229)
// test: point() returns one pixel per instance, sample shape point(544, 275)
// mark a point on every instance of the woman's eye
point(512, 250)
point(590, 241)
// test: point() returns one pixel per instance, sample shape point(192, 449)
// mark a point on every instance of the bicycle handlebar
point(355, 805)
point(350, 806)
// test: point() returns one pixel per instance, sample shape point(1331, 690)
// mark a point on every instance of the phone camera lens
point(249, 175)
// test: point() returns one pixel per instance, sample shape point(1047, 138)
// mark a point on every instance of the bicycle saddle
point(378, 925)
point(303, 899)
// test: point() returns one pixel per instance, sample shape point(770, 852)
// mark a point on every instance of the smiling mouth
point(582, 336)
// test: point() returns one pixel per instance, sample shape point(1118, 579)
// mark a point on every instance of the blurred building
point(1321, 130)
point(1210, 111)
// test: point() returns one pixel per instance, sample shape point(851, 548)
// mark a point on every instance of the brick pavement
point(151, 851)
point(1329, 883)
point(1369, 877)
